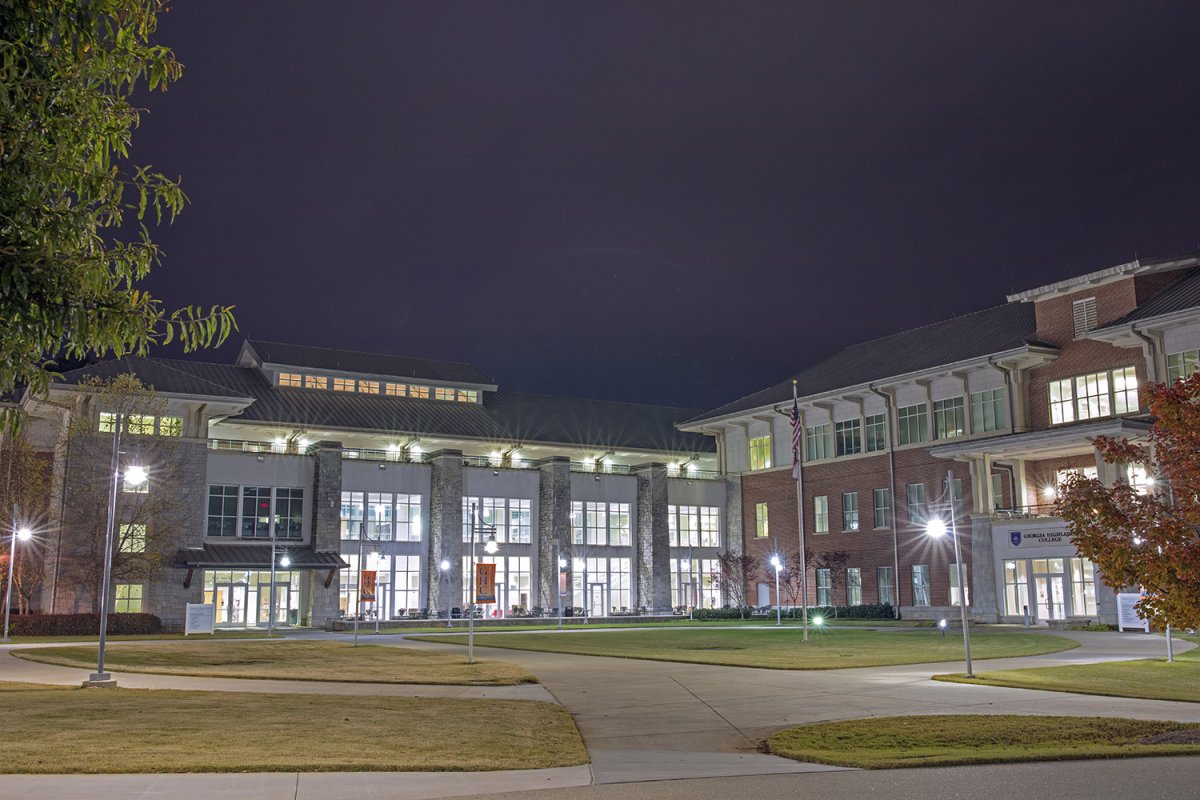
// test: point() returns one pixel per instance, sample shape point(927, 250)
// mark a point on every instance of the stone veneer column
point(983, 606)
point(735, 534)
point(325, 528)
point(166, 596)
point(554, 526)
point(445, 530)
point(652, 550)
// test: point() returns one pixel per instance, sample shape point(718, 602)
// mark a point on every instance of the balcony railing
point(366, 454)
point(600, 468)
point(239, 446)
point(1024, 512)
point(493, 462)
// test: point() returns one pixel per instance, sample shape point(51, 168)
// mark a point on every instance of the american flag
point(797, 432)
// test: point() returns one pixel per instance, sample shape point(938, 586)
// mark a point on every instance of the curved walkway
point(640, 720)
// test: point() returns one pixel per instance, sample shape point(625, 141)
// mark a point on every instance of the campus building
point(1000, 404)
point(319, 458)
point(323, 461)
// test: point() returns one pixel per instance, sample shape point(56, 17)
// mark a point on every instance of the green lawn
point(1150, 679)
point(291, 660)
point(775, 648)
point(60, 730)
point(892, 742)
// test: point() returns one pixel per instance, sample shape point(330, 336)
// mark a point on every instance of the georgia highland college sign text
point(1056, 537)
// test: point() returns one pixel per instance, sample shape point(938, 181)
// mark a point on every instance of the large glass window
point(918, 512)
point(761, 525)
point(256, 512)
point(128, 598)
point(760, 452)
point(694, 582)
point(824, 587)
point(821, 514)
point(1083, 587)
point(818, 442)
point(988, 411)
point(912, 424)
point(949, 418)
point(876, 429)
point(289, 513)
point(886, 582)
point(883, 507)
point(854, 586)
point(222, 510)
point(605, 524)
point(500, 514)
point(920, 584)
point(1016, 588)
point(1100, 394)
point(955, 594)
point(850, 511)
point(694, 526)
point(848, 437)
point(1181, 365)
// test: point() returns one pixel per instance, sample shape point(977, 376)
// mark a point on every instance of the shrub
point(728, 612)
point(871, 611)
point(83, 624)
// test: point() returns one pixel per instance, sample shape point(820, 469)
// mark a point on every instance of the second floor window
point(949, 418)
point(256, 512)
point(912, 424)
point(848, 437)
point(760, 452)
point(1181, 365)
point(988, 411)
point(876, 430)
point(818, 442)
point(761, 527)
point(850, 511)
point(1099, 394)
point(821, 514)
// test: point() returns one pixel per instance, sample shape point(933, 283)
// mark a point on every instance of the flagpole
point(796, 470)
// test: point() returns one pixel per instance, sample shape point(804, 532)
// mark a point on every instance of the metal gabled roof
point(970, 336)
point(1181, 295)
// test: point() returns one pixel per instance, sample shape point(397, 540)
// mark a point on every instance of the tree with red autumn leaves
point(1148, 538)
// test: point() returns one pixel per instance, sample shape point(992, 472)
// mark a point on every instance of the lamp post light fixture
point(937, 529)
point(444, 568)
point(24, 535)
point(777, 564)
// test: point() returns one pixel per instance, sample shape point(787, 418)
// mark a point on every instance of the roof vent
point(1083, 312)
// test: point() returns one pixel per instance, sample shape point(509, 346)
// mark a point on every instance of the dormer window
point(343, 384)
point(292, 379)
point(1083, 313)
point(316, 382)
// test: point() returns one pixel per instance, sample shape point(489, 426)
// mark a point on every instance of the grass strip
point(289, 660)
point(776, 648)
point(894, 742)
point(64, 730)
point(1147, 679)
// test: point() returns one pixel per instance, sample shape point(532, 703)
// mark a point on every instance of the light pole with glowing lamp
point(24, 534)
point(937, 529)
point(490, 547)
point(562, 567)
point(444, 568)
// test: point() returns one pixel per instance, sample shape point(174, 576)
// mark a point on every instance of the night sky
point(676, 203)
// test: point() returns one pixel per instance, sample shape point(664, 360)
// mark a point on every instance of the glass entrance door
point(596, 606)
point(282, 603)
point(230, 602)
point(1048, 583)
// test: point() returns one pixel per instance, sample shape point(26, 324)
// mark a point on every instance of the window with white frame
point(1083, 587)
point(854, 586)
point(886, 583)
point(602, 524)
point(824, 587)
point(132, 538)
point(883, 507)
point(912, 424)
point(384, 516)
point(128, 598)
point(918, 512)
point(693, 526)
point(955, 595)
point(847, 437)
point(1181, 365)
point(849, 511)
point(821, 514)
point(497, 513)
point(920, 584)
point(876, 432)
point(222, 510)
point(141, 424)
point(1099, 394)
point(255, 512)
point(949, 418)
point(761, 523)
point(818, 442)
point(513, 581)
point(989, 411)
point(760, 452)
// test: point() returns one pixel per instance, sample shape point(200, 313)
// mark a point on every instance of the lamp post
point(100, 677)
point(581, 566)
point(24, 535)
point(444, 567)
point(490, 548)
point(271, 594)
point(937, 529)
point(776, 563)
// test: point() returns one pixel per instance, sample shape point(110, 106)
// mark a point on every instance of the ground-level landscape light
point(818, 621)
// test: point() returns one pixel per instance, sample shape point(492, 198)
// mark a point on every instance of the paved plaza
point(642, 721)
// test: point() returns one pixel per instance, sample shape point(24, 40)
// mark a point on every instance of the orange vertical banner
point(485, 583)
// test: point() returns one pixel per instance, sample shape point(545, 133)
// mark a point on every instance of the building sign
point(199, 618)
point(1054, 537)
point(1128, 617)
point(485, 583)
point(366, 582)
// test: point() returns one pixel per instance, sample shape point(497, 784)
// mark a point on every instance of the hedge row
point(82, 624)
point(873, 611)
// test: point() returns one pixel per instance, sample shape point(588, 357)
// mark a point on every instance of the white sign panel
point(1128, 617)
point(1052, 537)
point(199, 618)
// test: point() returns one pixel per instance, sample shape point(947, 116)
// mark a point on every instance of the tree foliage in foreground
point(71, 256)
point(1151, 539)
